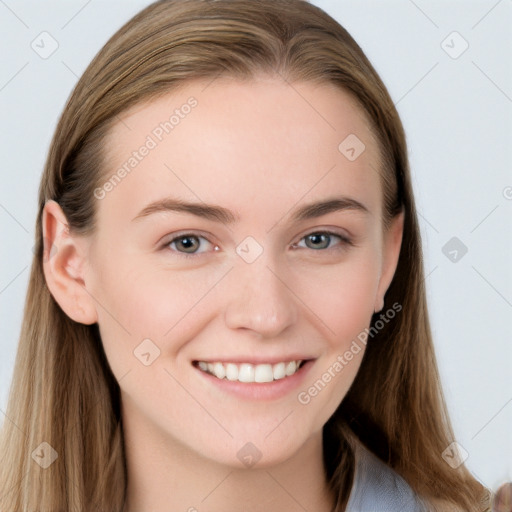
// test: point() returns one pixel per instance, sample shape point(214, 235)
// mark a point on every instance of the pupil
point(317, 239)
point(188, 243)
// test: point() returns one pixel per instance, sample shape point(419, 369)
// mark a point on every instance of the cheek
point(344, 302)
point(341, 297)
point(139, 303)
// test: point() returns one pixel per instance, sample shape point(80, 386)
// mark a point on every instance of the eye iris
point(317, 240)
point(189, 243)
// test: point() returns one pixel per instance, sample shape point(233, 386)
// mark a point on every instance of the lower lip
point(261, 390)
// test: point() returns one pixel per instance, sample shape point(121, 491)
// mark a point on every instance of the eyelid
point(174, 237)
point(345, 240)
point(333, 230)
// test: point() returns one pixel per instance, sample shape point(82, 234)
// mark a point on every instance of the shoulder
point(378, 488)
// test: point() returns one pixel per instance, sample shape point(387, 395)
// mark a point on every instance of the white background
point(457, 116)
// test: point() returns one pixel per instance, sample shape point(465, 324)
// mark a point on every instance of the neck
point(165, 475)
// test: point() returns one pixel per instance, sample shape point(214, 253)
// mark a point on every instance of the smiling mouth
point(249, 373)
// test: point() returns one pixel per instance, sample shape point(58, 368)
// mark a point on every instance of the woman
point(226, 310)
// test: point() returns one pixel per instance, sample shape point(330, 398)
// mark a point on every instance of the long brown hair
point(63, 392)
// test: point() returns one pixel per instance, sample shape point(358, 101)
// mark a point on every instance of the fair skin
point(262, 150)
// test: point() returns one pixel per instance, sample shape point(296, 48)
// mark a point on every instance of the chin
point(257, 454)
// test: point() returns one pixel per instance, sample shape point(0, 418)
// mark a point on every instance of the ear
point(392, 244)
point(64, 261)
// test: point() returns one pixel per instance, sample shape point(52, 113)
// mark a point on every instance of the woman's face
point(254, 283)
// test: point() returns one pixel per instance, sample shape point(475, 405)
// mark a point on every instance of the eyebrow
point(220, 214)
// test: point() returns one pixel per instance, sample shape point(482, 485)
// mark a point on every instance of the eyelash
point(344, 241)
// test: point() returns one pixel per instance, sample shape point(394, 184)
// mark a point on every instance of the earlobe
point(63, 265)
point(391, 253)
point(380, 306)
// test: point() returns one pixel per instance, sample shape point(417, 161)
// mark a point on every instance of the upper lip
point(255, 360)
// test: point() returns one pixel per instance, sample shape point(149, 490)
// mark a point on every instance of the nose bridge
point(260, 300)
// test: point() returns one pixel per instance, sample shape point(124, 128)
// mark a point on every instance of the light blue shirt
point(378, 488)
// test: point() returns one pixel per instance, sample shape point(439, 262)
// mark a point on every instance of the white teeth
point(231, 371)
point(219, 370)
point(263, 373)
point(291, 367)
point(279, 371)
point(246, 372)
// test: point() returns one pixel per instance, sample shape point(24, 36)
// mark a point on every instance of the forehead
point(259, 143)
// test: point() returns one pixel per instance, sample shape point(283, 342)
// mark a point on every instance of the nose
point(261, 299)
